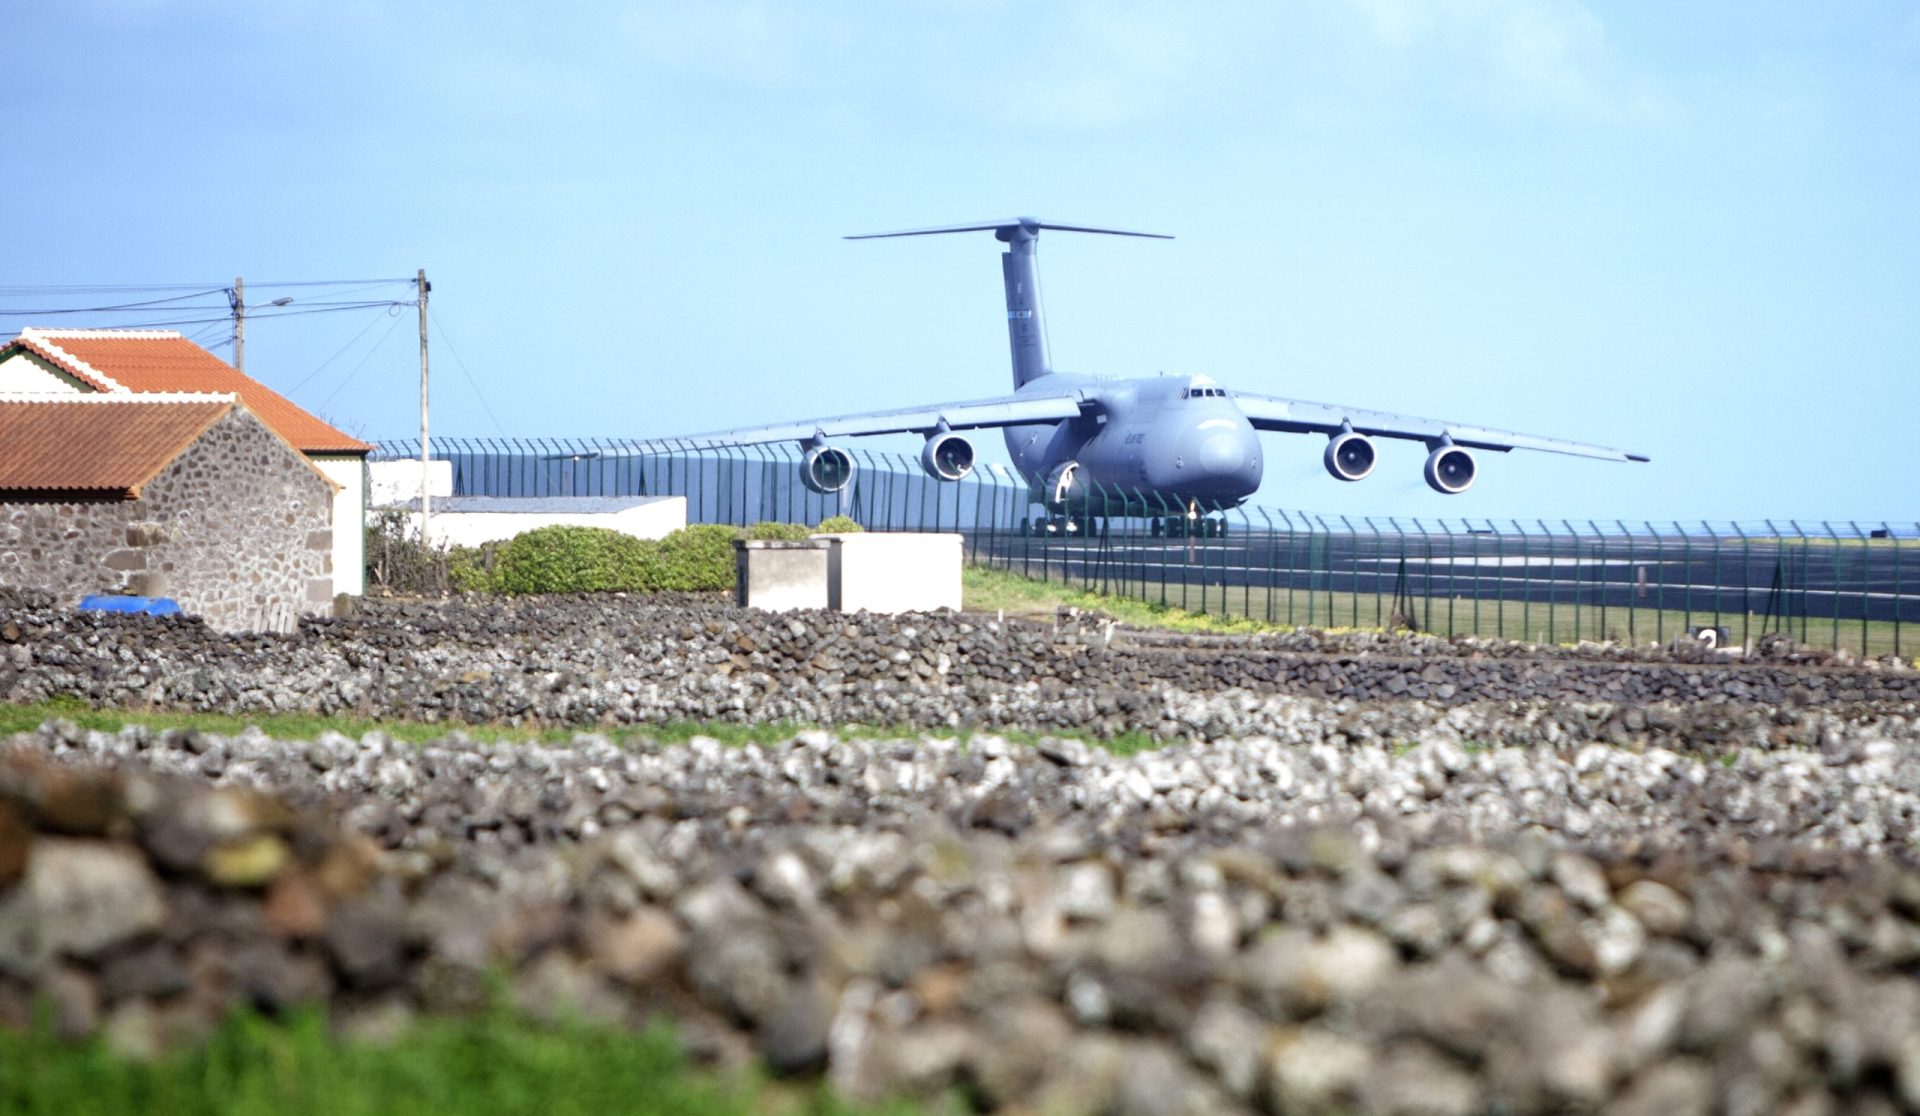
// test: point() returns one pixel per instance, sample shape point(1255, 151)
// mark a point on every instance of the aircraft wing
point(973, 414)
point(1297, 416)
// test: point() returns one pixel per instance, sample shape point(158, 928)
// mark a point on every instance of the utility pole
point(237, 298)
point(420, 281)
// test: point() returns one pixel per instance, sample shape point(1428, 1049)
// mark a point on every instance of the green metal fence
point(1838, 585)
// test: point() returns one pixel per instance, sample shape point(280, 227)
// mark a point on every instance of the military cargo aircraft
point(1167, 448)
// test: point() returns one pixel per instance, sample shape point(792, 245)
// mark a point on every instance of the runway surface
point(1877, 581)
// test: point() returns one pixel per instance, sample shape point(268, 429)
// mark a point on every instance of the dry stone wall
point(1698, 895)
point(1286, 924)
point(238, 529)
point(620, 660)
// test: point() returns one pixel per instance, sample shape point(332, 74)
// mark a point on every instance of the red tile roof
point(143, 361)
point(99, 446)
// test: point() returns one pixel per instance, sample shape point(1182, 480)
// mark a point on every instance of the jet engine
point(1449, 470)
point(1350, 456)
point(947, 456)
point(826, 469)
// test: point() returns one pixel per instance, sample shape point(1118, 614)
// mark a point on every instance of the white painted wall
point(782, 575)
point(22, 373)
point(398, 482)
point(894, 572)
point(659, 517)
point(349, 519)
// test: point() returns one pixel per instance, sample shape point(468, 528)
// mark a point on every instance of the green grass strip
point(496, 1064)
point(27, 717)
point(984, 589)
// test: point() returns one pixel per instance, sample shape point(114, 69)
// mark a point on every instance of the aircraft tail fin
point(1026, 325)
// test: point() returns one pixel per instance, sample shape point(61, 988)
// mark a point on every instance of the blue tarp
point(150, 606)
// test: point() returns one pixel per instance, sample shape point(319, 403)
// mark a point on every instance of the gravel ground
point(1307, 902)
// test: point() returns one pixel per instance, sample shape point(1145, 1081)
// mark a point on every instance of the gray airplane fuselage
point(1093, 447)
point(1172, 442)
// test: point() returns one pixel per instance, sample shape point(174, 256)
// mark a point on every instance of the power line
point(253, 315)
point(147, 288)
point(397, 319)
point(129, 307)
point(461, 361)
point(216, 335)
point(371, 322)
point(260, 311)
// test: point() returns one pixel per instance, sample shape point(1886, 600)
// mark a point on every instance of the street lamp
point(237, 299)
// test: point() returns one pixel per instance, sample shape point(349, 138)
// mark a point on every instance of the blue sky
point(1687, 230)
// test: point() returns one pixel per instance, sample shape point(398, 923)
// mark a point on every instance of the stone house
point(43, 361)
point(192, 497)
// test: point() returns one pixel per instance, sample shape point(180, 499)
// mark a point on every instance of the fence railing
point(1839, 585)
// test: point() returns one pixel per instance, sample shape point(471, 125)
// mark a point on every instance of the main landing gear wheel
point(1180, 527)
point(1054, 525)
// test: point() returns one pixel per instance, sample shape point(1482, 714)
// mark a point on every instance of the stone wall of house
point(237, 529)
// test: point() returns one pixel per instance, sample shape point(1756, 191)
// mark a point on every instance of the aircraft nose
point(1219, 453)
point(1220, 462)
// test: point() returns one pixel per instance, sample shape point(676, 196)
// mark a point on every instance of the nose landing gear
point(1065, 526)
point(1191, 525)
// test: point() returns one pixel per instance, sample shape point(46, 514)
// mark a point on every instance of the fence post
point(1746, 586)
point(1806, 577)
point(1246, 563)
point(1426, 577)
point(1718, 585)
point(1288, 520)
point(1353, 573)
point(762, 475)
point(1526, 579)
point(1633, 582)
point(1893, 541)
point(1267, 533)
point(1686, 592)
point(1573, 533)
point(1833, 538)
point(1373, 536)
point(1403, 589)
point(1866, 584)
point(1473, 543)
point(1500, 564)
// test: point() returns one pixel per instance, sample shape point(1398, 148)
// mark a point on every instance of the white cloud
point(1109, 64)
point(1520, 57)
point(751, 40)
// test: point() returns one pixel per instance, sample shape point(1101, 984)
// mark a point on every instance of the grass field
point(1256, 608)
point(498, 1064)
point(989, 590)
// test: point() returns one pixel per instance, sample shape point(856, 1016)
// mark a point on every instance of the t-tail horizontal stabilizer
point(1005, 229)
point(1026, 325)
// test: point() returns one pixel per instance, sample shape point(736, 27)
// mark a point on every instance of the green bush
point(695, 559)
point(838, 525)
point(698, 558)
point(470, 568)
point(575, 560)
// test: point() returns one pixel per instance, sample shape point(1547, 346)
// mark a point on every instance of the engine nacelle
point(826, 469)
point(947, 457)
point(1450, 470)
point(1349, 456)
